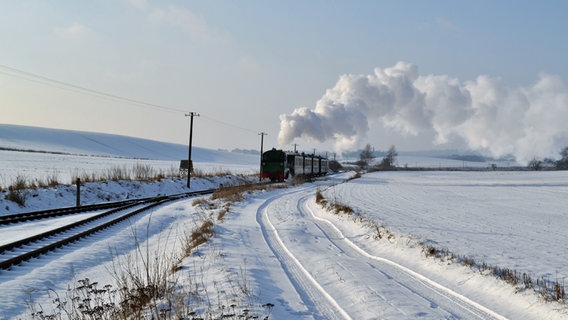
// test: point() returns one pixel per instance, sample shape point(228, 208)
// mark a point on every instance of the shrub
point(83, 301)
point(340, 207)
point(234, 193)
point(559, 292)
point(143, 172)
point(548, 290)
point(53, 180)
point(198, 201)
point(18, 184)
point(357, 175)
point(17, 191)
point(17, 196)
point(117, 173)
point(199, 235)
point(320, 198)
point(223, 212)
point(334, 205)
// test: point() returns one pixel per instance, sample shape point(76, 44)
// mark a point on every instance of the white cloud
point(138, 4)
point(187, 21)
point(447, 25)
point(75, 31)
point(248, 64)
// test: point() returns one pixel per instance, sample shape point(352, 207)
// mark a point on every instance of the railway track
point(52, 213)
point(19, 251)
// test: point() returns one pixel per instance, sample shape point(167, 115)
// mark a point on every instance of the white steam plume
point(526, 122)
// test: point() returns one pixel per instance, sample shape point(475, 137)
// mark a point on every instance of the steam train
point(280, 165)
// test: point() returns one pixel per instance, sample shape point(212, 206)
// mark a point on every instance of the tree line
point(389, 160)
point(562, 164)
point(367, 155)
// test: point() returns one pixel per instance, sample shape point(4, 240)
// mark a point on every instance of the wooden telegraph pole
point(189, 163)
point(262, 134)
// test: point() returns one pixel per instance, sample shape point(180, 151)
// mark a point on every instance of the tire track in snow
point(317, 299)
point(335, 236)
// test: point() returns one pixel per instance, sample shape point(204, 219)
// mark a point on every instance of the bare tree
point(562, 164)
point(535, 164)
point(389, 159)
point(366, 156)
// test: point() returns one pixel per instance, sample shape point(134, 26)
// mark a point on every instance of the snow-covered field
point(66, 154)
point(516, 220)
point(313, 264)
point(283, 249)
point(42, 166)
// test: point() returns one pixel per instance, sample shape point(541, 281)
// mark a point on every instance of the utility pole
point(189, 164)
point(78, 182)
point(262, 134)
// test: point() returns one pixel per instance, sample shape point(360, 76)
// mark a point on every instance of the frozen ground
point(516, 220)
point(312, 264)
point(283, 249)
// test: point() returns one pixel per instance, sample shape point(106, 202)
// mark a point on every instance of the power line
point(228, 124)
point(13, 72)
point(72, 87)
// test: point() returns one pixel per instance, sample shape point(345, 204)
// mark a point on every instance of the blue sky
point(243, 64)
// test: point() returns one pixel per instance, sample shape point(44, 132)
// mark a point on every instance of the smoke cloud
point(526, 122)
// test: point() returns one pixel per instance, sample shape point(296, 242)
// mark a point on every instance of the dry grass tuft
point(236, 193)
point(340, 207)
point(320, 199)
point(223, 212)
point(336, 206)
point(547, 289)
point(17, 191)
point(200, 235)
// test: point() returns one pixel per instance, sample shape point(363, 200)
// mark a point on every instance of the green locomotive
point(278, 165)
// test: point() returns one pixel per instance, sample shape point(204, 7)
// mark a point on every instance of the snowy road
point(335, 279)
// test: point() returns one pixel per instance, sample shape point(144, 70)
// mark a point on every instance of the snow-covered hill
point(37, 139)
point(38, 153)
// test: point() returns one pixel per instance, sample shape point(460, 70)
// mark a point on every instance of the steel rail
point(6, 264)
point(124, 205)
point(58, 212)
point(37, 237)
